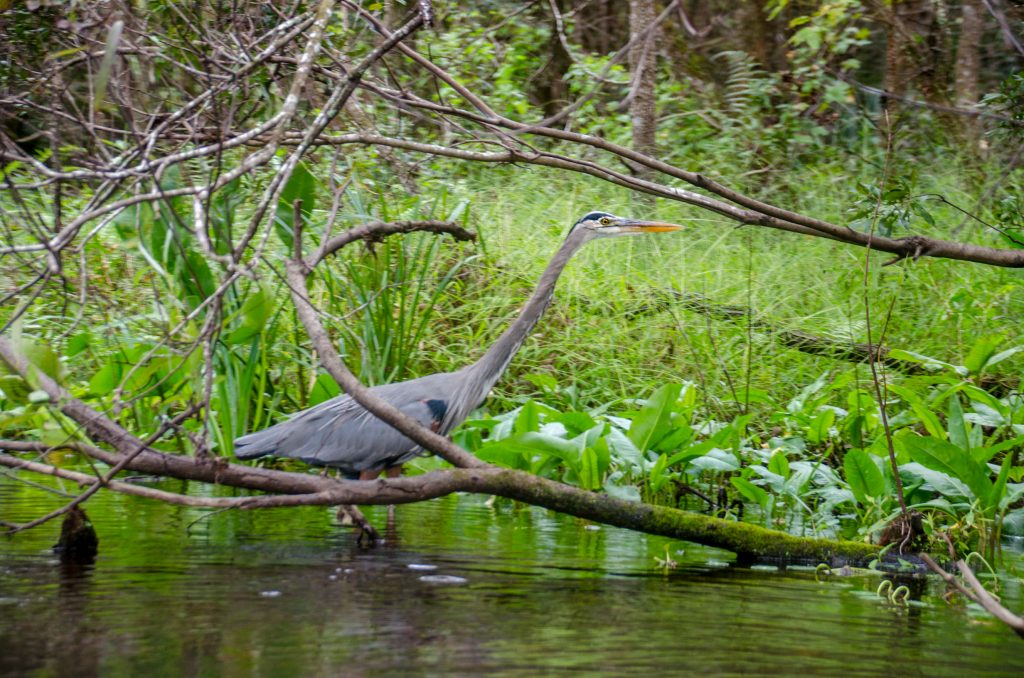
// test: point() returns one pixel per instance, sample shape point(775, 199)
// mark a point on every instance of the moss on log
point(751, 543)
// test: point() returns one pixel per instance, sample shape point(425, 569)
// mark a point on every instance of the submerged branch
point(751, 543)
point(805, 342)
point(976, 593)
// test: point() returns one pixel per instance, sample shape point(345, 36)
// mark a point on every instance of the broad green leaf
point(927, 361)
point(983, 349)
point(940, 504)
point(810, 36)
point(533, 442)
point(995, 499)
point(78, 343)
point(106, 380)
point(624, 449)
point(776, 482)
point(590, 437)
point(528, 419)
point(657, 476)
point(929, 419)
point(252, 316)
point(196, 279)
point(42, 357)
point(947, 458)
point(651, 423)
point(779, 464)
point(983, 454)
point(604, 456)
point(717, 460)
point(1014, 492)
point(590, 472)
point(800, 475)
point(573, 421)
point(688, 399)
point(1003, 355)
point(13, 386)
point(978, 395)
point(503, 456)
point(987, 416)
point(676, 438)
point(749, 490)
point(692, 452)
point(620, 491)
point(821, 425)
point(863, 476)
point(938, 481)
point(324, 388)
point(520, 450)
point(959, 430)
point(302, 186)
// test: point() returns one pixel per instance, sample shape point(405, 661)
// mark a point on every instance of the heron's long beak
point(636, 226)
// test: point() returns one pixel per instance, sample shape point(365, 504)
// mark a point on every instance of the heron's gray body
point(339, 433)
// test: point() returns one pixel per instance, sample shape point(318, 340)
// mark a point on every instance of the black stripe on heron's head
point(592, 216)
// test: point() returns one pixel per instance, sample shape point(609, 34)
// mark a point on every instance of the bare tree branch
point(976, 593)
point(298, 271)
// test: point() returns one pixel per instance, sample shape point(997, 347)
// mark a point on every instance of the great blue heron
point(339, 433)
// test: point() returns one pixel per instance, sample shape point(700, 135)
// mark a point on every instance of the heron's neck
point(489, 368)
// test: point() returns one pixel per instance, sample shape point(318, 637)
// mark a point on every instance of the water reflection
point(457, 587)
point(72, 640)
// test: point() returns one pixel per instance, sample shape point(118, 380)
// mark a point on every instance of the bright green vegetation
point(620, 389)
point(663, 403)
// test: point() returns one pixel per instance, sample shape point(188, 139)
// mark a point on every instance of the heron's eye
point(604, 221)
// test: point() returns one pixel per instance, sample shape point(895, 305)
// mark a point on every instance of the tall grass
point(588, 339)
point(420, 304)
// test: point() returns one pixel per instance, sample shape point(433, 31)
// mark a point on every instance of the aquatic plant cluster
point(810, 466)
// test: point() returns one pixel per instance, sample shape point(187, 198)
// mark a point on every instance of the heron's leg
point(350, 515)
point(368, 475)
point(393, 472)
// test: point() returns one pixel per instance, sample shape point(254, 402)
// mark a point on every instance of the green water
point(521, 591)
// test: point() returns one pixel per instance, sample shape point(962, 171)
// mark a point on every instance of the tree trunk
point(642, 67)
point(916, 48)
point(896, 47)
point(552, 91)
point(760, 32)
point(968, 62)
point(600, 26)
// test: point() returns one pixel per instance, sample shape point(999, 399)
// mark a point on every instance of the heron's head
point(603, 225)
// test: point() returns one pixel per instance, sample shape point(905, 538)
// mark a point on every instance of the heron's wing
point(340, 433)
